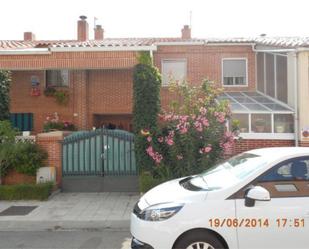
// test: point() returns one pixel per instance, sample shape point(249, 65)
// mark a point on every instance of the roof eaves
point(28, 51)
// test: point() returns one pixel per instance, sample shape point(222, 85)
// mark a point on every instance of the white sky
point(56, 19)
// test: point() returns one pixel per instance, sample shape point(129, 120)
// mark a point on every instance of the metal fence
point(99, 153)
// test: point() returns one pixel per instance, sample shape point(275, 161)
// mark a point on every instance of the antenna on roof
point(95, 21)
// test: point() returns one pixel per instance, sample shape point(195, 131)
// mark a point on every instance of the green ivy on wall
point(5, 80)
point(146, 105)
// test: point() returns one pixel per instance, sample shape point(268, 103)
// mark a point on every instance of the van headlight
point(160, 212)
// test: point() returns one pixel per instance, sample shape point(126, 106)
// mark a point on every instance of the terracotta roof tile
point(286, 42)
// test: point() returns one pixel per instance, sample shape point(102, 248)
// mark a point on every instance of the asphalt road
point(106, 239)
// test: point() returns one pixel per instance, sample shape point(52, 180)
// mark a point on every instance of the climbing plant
point(146, 105)
point(5, 80)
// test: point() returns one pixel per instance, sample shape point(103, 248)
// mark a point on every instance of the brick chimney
point(186, 32)
point(29, 36)
point(98, 32)
point(82, 29)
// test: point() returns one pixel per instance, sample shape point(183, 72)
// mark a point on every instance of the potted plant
point(260, 125)
point(49, 91)
point(280, 127)
point(62, 97)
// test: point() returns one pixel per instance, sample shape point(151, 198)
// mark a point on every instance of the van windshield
point(228, 173)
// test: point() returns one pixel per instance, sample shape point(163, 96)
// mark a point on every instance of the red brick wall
point(250, 144)
point(106, 90)
point(51, 143)
point(80, 98)
point(70, 60)
point(90, 92)
point(205, 62)
point(14, 177)
point(304, 143)
point(110, 91)
point(41, 106)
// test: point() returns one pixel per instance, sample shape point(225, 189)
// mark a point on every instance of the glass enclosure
point(258, 113)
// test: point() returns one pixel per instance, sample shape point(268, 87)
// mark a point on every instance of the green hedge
point(26, 191)
point(147, 182)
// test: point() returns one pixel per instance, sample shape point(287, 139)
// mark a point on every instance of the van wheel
point(199, 240)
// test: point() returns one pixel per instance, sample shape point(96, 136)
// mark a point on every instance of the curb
point(53, 194)
point(64, 225)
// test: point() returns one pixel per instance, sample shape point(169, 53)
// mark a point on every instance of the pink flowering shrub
point(192, 133)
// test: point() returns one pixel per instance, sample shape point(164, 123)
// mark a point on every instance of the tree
point(5, 80)
point(146, 105)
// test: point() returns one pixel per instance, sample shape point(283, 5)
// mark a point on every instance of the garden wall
point(51, 142)
point(14, 177)
point(251, 144)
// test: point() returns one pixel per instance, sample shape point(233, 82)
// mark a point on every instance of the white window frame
point(222, 73)
point(174, 59)
point(275, 75)
point(267, 135)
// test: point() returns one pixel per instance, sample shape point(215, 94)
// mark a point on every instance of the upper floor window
point(234, 72)
point(175, 70)
point(57, 78)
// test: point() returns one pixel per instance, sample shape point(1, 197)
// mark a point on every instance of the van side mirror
point(257, 193)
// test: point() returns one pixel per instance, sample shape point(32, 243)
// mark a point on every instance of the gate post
point(51, 142)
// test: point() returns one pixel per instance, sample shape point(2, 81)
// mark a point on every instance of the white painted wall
point(303, 93)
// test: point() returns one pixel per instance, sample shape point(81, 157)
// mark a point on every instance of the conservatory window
point(260, 116)
point(272, 75)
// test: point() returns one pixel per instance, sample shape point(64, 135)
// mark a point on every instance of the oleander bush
point(192, 134)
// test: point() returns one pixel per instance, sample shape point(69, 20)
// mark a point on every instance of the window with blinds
point(234, 72)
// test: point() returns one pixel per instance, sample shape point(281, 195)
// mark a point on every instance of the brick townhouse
point(265, 79)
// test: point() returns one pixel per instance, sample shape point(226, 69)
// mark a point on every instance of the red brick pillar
point(51, 142)
point(80, 95)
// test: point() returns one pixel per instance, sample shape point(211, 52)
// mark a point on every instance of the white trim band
point(268, 136)
point(25, 51)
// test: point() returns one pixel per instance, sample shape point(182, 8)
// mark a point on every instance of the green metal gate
point(99, 153)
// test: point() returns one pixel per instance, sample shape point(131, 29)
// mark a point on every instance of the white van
point(256, 200)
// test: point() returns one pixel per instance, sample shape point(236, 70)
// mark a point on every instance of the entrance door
point(113, 121)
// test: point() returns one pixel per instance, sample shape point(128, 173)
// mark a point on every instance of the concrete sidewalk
point(70, 211)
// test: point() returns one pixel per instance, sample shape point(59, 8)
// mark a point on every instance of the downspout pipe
point(296, 119)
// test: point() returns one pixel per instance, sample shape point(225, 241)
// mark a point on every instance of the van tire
point(198, 236)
